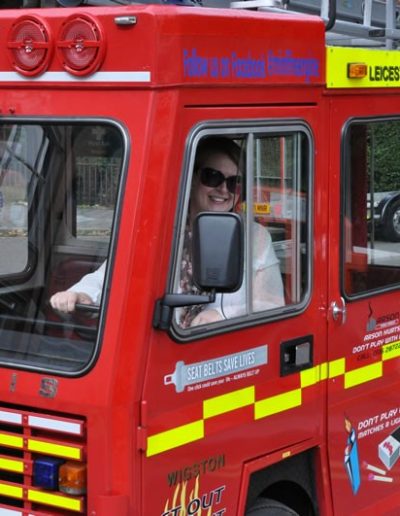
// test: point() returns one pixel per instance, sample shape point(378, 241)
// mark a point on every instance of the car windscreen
point(59, 186)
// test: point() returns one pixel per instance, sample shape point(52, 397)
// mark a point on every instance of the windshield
point(58, 190)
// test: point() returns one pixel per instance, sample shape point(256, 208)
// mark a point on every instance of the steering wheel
point(93, 309)
point(76, 321)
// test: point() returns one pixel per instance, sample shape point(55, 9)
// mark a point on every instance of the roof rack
point(78, 3)
point(359, 23)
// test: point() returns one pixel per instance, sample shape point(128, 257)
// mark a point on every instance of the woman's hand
point(206, 317)
point(65, 301)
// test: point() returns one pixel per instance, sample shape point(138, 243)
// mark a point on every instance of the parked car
point(386, 214)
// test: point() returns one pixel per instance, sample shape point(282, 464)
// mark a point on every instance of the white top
point(92, 283)
point(267, 281)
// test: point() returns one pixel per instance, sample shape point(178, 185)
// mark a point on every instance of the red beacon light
point(29, 46)
point(81, 45)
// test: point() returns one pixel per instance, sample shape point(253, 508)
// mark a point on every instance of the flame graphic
point(181, 498)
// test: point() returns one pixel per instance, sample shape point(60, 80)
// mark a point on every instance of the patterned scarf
point(188, 313)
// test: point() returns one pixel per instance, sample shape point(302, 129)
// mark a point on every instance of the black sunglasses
point(214, 178)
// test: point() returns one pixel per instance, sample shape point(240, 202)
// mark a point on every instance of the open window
point(262, 174)
point(58, 190)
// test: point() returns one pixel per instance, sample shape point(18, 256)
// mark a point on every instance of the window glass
point(97, 160)
point(16, 170)
point(371, 193)
point(264, 177)
point(280, 204)
point(59, 187)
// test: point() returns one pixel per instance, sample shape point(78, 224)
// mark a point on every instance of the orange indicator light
point(357, 70)
point(72, 478)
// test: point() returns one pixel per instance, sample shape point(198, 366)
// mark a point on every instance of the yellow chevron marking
point(175, 437)
point(228, 402)
point(278, 403)
point(363, 375)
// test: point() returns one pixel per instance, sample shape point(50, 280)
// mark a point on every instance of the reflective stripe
point(175, 437)
point(310, 376)
point(337, 367)
point(324, 371)
point(228, 402)
point(276, 404)
point(65, 502)
point(48, 423)
point(363, 375)
point(55, 424)
point(11, 465)
point(10, 417)
point(11, 440)
point(60, 450)
point(390, 351)
point(13, 491)
point(8, 512)
point(139, 76)
point(5, 511)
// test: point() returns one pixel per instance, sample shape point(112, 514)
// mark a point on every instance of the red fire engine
point(199, 261)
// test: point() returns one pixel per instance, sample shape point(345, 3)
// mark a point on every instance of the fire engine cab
point(199, 259)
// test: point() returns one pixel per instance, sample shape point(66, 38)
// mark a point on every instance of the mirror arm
point(164, 307)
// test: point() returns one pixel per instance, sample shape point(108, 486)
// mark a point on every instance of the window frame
point(241, 128)
point(68, 246)
point(345, 174)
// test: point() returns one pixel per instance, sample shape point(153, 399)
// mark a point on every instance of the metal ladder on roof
point(360, 23)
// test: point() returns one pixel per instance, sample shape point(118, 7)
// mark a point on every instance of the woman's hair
point(219, 145)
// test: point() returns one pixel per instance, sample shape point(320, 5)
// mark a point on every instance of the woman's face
point(218, 198)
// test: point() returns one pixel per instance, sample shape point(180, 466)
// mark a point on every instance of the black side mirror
point(218, 249)
point(217, 256)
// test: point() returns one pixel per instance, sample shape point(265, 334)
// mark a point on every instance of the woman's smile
point(214, 198)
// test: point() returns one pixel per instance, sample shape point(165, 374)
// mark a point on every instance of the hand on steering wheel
point(67, 300)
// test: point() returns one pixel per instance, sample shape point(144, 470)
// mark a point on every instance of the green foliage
point(384, 155)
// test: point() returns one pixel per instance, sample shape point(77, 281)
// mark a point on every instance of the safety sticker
point(191, 374)
point(379, 466)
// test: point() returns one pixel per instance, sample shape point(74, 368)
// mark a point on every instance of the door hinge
point(142, 438)
point(142, 428)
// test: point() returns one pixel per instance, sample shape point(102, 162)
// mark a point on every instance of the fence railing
point(97, 181)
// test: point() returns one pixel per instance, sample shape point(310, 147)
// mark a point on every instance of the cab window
point(371, 214)
point(16, 166)
point(58, 183)
point(263, 175)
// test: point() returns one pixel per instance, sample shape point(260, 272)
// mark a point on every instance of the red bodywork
point(219, 433)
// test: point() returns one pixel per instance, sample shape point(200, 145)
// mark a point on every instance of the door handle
point(339, 310)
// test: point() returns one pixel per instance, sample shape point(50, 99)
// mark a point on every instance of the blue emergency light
point(45, 472)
